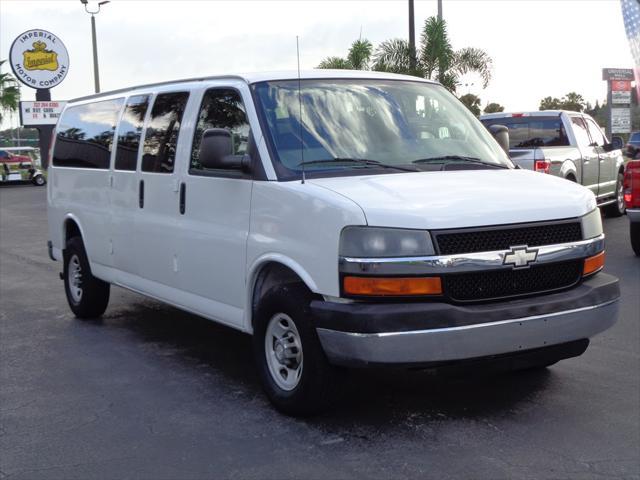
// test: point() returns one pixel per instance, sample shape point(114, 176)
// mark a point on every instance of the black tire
point(317, 382)
point(89, 297)
point(634, 233)
point(39, 181)
point(617, 208)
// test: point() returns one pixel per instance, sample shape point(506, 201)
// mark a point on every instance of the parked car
point(569, 145)
point(19, 164)
point(340, 218)
point(633, 145)
point(632, 199)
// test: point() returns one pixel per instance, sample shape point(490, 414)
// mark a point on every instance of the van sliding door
point(124, 184)
point(155, 226)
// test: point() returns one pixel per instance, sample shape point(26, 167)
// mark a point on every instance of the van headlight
point(375, 242)
point(591, 224)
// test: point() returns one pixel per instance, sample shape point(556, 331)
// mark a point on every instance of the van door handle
point(183, 197)
point(141, 194)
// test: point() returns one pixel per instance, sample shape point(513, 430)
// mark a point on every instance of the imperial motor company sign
point(39, 59)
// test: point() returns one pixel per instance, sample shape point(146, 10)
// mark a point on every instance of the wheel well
point(71, 230)
point(571, 177)
point(270, 275)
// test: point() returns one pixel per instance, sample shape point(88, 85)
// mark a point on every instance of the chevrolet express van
point(341, 218)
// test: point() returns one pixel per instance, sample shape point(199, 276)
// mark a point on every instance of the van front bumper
point(361, 334)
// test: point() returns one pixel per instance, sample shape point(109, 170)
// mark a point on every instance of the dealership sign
point(621, 91)
point(40, 113)
point(39, 59)
point(620, 120)
point(617, 74)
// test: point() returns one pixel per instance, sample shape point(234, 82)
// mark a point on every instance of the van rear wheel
point(292, 366)
point(87, 295)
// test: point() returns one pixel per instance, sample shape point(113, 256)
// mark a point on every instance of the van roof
point(256, 77)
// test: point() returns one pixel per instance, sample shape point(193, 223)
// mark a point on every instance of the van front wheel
point(87, 295)
point(293, 368)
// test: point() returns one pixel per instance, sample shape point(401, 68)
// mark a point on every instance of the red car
point(632, 200)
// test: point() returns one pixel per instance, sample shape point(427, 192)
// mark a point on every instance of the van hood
point(462, 198)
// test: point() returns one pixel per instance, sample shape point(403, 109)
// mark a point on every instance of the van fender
point(70, 216)
point(252, 275)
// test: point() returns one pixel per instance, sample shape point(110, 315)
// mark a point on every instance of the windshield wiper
point(446, 159)
point(365, 162)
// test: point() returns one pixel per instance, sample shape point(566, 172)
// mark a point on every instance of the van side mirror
point(501, 134)
point(216, 151)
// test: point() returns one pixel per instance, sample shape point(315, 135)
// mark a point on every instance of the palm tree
point(437, 60)
point(358, 57)
point(9, 93)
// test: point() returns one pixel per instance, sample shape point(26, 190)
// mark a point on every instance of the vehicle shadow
point(375, 397)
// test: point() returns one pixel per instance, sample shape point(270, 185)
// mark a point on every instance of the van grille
point(487, 240)
point(475, 286)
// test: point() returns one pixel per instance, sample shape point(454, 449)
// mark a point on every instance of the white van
point(342, 218)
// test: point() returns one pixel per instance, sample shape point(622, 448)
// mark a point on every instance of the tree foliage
point(9, 93)
point(358, 57)
point(571, 101)
point(493, 107)
point(435, 57)
point(472, 102)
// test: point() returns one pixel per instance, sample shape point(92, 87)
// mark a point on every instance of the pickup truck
point(570, 145)
point(632, 200)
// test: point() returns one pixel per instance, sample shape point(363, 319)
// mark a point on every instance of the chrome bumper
point(467, 342)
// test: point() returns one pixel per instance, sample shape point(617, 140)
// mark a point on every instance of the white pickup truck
point(569, 145)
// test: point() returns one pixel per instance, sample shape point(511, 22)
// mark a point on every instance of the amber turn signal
point(392, 286)
point(593, 264)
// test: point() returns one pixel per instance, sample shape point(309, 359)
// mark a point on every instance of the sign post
point(618, 99)
point(40, 60)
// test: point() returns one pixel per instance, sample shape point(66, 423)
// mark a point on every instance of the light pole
point(412, 39)
point(96, 74)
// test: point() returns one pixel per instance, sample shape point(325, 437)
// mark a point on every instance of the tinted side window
point(530, 132)
point(221, 108)
point(85, 135)
point(161, 139)
point(129, 131)
point(3, 154)
point(596, 135)
point(580, 131)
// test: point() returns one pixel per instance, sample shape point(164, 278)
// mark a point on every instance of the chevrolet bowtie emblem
point(520, 257)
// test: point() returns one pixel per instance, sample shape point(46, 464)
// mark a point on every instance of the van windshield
point(380, 125)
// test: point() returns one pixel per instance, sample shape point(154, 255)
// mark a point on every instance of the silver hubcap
point(75, 278)
point(283, 351)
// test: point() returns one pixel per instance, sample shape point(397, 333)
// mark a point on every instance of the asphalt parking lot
point(153, 392)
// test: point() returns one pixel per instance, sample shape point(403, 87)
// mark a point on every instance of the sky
point(539, 47)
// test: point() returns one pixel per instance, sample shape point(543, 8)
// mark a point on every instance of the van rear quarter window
point(161, 138)
point(84, 136)
point(531, 132)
